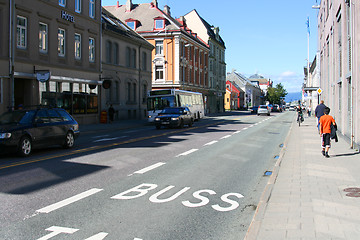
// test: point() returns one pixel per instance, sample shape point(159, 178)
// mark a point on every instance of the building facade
point(50, 53)
point(234, 96)
point(339, 50)
point(180, 57)
point(310, 96)
point(126, 69)
point(217, 64)
point(264, 83)
point(252, 92)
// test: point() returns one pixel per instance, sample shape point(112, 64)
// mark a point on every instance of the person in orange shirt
point(325, 129)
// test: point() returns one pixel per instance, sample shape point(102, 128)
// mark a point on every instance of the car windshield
point(13, 117)
point(263, 106)
point(172, 110)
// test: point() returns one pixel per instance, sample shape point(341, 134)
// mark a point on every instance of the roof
point(145, 14)
point(116, 25)
point(210, 31)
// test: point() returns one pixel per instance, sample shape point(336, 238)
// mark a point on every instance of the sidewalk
point(305, 197)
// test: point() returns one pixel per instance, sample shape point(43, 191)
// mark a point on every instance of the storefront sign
point(43, 75)
point(67, 17)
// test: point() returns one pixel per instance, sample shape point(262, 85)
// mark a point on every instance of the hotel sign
point(67, 17)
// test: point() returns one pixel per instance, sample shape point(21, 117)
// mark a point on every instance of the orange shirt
point(325, 123)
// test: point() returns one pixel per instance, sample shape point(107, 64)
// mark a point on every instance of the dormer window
point(159, 23)
point(131, 23)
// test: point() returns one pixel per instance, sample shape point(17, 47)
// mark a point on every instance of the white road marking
point(108, 139)
point(210, 143)
point(251, 126)
point(227, 136)
point(245, 128)
point(68, 201)
point(187, 153)
point(56, 231)
point(237, 132)
point(101, 136)
point(99, 236)
point(144, 170)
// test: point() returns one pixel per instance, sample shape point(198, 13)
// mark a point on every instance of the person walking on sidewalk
point(325, 131)
point(111, 112)
point(319, 111)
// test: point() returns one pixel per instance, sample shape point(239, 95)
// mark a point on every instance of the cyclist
point(300, 114)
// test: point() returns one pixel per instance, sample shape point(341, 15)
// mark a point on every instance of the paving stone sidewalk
point(310, 196)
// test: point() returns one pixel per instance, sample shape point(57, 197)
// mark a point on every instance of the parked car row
point(24, 130)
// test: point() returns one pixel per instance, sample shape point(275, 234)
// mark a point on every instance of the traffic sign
point(319, 91)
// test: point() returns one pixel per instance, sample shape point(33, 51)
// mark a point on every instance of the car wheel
point(181, 123)
point(25, 146)
point(69, 140)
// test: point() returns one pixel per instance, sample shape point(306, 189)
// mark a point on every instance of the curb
point(256, 222)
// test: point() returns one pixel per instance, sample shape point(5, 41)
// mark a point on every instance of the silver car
point(263, 109)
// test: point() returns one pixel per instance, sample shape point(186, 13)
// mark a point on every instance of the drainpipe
point(352, 79)
point(139, 61)
point(11, 54)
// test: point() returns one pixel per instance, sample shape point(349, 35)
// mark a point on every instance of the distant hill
point(294, 96)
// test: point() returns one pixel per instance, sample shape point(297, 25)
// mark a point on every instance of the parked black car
point(23, 130)
point(174, 117)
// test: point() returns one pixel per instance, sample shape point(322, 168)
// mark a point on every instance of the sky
point(266, 37)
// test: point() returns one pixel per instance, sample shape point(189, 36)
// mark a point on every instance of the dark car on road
point(174, 117)
point(23, 130)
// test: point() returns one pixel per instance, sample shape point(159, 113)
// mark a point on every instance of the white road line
point(144, 170)
point(210, 143)
point(236, 132)
point(187, 153)
point(100, 136)
point(251, 126)
point(244, 128)
point(99, 236)
point(109, 139)
point(68, 201)
point(227, 136)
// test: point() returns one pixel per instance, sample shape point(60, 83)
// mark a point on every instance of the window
point(144, 93)
point(159, 46)
point(144, 63)
point(1, 89)
point(128, 92)
point(128, 57)
point(92, 8)
point(159, 23)
point(91, 50)
point(108, 52)
point(133, 57)
point(134, 92)
point(116, 53)
point(61, 42)
point(159, 72)
point(78, 6)
point(62, 3)
point(21, 32)
point(43, 37)
point(77, 46)
point(131, 25)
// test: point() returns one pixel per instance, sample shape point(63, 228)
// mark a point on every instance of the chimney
point(182, 21)
point(117, 4)
point(167, 10)
point(154, 3)
point(129, 5)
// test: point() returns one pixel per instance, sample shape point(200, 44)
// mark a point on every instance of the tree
point(275, 95)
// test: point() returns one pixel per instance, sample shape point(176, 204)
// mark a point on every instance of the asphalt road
point(202, 182)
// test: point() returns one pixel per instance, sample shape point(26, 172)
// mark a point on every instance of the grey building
point(339, 64)
point(126, 67)
point(252, 96)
